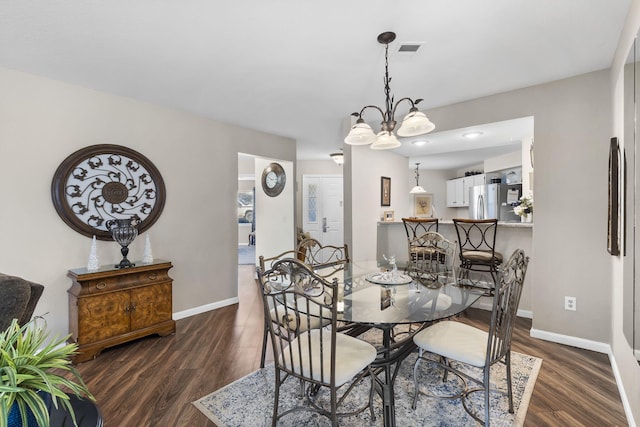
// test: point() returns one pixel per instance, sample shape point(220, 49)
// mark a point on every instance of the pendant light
point(417, 189)
point(338, 158)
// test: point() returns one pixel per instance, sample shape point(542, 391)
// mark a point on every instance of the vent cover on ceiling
point(409, 47)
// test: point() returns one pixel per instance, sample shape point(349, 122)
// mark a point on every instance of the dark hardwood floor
point(152, 381)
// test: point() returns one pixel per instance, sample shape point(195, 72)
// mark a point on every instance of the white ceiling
point(299, 68)
point(452, 150)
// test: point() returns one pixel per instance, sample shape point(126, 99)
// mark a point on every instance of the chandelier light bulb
point(385, 141)
point(415, 123)
point(361, 134)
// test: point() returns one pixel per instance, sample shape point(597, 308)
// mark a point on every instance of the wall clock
point(104, 182)
point(273, 179)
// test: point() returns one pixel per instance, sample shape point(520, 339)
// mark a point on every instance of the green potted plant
point(34, 369)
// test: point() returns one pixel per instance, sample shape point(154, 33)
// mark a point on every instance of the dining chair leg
point(445, 362)
point(371, 392)
point(274, 418)
point(334, 407)
point(415, 379)
point(487, 387)
point(509, 386)
point(264, 346)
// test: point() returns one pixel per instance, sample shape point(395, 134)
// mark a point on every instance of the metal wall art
point(107, 182)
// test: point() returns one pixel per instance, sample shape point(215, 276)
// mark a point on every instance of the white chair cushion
point(278, 314)
point(454, 340)
point(352, 356)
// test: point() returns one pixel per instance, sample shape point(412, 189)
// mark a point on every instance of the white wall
point(275, 231)
point(368, 166)
point(43, 121)
point(571, 128)
point(625, 365)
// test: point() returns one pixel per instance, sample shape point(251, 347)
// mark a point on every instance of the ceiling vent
point(409, 47)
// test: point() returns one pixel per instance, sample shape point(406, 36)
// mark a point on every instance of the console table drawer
point(109, 284)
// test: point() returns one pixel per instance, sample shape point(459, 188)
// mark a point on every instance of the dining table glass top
point(364, 298)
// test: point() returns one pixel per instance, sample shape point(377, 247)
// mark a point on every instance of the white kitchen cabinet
point(455, 193)
point(479, 179)
point(458, 189)
point(467, 184)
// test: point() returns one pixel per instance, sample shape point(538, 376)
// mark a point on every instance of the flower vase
point(526, 218)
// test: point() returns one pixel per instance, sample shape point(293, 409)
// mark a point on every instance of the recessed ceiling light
point(419, 142)
point(472, 135)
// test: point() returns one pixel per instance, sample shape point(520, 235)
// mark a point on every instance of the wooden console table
point(111, 306)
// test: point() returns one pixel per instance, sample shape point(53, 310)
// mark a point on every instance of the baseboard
point(623, 396)
point(204, 308)
point(599, 347)
point(482, 305)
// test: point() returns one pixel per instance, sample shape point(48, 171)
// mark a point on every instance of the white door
point(322, 208)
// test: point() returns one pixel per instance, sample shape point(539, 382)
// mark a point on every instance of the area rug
point(249, 400)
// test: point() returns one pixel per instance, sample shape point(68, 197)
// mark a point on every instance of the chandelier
point(415, 123)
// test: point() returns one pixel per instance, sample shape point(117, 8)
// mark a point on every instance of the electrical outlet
point(570, 303)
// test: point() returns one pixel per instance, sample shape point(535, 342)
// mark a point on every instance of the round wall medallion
point(273, 179)
point(107, 182)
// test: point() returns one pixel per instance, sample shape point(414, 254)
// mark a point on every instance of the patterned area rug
point(249, 400)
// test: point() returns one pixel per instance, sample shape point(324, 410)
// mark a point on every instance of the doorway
point(322, 208)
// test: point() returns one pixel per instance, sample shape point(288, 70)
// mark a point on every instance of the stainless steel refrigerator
point(494, 201)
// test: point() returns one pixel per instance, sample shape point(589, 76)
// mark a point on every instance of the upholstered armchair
point(18, 299)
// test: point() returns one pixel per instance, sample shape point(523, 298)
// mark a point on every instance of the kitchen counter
point(450, 222)
point(392, 240)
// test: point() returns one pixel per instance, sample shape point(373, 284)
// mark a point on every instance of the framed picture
point(385, 191)
point(613, 229)
point(388, 215)
point(423, 206)
point(385, 298)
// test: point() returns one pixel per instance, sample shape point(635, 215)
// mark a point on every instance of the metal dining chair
point(325, 261)
point(453, 344)
point(436, 255)
point(320, 358)
point(414, 228)
point(477, 246)
point(266, 264)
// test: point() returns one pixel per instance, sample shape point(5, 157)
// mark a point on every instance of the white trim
point(482, 305)
point(204, 308)
point(600, 347)
point(623, 396)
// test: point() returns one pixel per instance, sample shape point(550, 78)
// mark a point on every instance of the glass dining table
point(369, 298)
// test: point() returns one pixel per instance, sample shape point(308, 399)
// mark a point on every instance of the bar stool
point(418, 251)
point(477, 240)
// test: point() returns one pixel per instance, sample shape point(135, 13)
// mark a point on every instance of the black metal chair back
point(305, 297)
point(416, 227)
point(417, 252)
point(505, 306)
point(477, 242)
point(325, 260)
point(435, 256)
